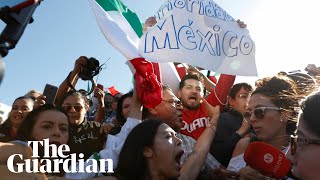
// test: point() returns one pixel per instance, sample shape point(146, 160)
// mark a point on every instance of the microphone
point(268, 160)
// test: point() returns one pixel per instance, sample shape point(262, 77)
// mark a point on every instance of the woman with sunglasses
point(86, 136)
point(305, 146)
point(20, 109)
point(271, 114)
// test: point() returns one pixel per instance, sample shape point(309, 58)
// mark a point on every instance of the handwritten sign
point(200, 33)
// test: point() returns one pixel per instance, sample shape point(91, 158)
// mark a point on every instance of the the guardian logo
point(54, 157)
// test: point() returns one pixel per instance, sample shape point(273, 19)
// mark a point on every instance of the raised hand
point(80, 63)
point(241, 24)
point(244, 129)
point(39, 101)
point(99, 94)
point(151, 21)
point(192, 69)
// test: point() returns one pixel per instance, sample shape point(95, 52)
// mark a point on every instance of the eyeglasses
point(243, 96)
point(296, 142)
point(175, 102)
point(77, 108)
point(258, 112)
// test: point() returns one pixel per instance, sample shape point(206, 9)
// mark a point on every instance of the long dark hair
point(132, 164)
point(7, 122)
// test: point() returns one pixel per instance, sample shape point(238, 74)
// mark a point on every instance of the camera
point(90, 70)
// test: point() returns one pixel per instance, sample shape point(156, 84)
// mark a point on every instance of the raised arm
point(99, 115)
point(151, 21)
point(220, 93)
point(72, 78)
point(208, 84)
point(194, 163)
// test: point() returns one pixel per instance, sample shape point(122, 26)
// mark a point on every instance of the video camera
point(87, 72)
point(92, 69)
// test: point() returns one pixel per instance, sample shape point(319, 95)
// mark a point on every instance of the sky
point(285, 34)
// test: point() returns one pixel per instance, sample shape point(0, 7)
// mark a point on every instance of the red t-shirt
point(195, 121)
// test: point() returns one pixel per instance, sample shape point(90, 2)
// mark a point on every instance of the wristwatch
point(239, 134)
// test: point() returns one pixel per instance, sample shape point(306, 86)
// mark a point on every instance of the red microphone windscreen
point(268, 160)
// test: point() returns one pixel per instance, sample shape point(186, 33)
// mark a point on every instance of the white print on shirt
point(197, 123)
point(84, 137)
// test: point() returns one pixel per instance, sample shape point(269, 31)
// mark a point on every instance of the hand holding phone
point(50, 92)
point(99, 93)
point(100, 86)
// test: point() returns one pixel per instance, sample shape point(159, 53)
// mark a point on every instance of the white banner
point(200, 33)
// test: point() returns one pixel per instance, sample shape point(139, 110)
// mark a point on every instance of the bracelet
point(212, 126)
point(214, 129)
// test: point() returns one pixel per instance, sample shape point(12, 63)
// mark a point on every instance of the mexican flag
point(123, 29)
point(120, 26)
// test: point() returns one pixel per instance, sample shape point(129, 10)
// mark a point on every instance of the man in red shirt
point(195, 118)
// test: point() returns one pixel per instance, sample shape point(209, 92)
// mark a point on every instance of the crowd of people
point(199, 132)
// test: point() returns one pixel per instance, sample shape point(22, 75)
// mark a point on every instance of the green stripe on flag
point(131, 17)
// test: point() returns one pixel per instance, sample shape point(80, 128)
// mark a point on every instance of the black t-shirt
point(86, 138)
point(226, 138)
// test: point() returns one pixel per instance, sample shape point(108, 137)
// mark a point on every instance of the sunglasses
point(298, 142)
point(175, 102)
point(258, 112)
point(77, 108)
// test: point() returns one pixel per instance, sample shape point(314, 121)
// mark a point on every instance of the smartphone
point(50, 92)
